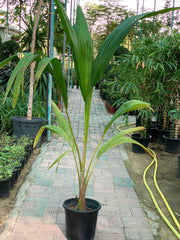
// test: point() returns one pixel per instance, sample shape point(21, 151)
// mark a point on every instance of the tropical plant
point(7, 111)
point(11, 156)
point(26, 37)
point(17, 77)
point(5, 171)
point(88, 70)
point(8, 49)
point(145, 116)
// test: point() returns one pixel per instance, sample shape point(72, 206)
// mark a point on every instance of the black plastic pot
point(17, 171)
point(23, 161)
point(13, 178)
point(153, 132)
point(172, 145)
point(144, 141)
point(81, 225)
point(23, 126)
point(161, 132)
point(5, 186)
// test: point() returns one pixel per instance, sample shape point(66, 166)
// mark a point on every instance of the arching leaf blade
point(18, 73)
point(115, 141)
point(7, 60)
point(59, 78)
point(58, 159)
point(84, 54)
point(126, 107)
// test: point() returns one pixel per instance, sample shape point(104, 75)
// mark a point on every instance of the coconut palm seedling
point(88, 70)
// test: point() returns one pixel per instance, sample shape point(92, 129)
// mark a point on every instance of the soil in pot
point(143, 140)
point(81, 225)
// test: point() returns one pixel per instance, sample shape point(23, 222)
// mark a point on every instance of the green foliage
point(8, 49)
point(5, 74)
point(0, 42)
point(145, 116)
point(24, 141)
point(120, 52)
point(149, 72)
point(12, 151)
point(26, 37)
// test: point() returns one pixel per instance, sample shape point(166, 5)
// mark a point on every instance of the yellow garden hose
point(153, 155)
point(177, 234)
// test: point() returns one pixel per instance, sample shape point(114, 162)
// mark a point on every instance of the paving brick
point(26, 231)
point(110, 236)
point(123, 182)
point(51, 232)
point(41, 180)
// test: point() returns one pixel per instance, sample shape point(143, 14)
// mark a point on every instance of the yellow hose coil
point(153, 155)
point(177, 234)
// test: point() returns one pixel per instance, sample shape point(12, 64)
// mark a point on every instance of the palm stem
point(74, 139)
point(82, 187)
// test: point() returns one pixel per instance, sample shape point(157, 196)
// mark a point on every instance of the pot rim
point(24, 119)
point(96, 206)
point(166, 136)
point(138, 135)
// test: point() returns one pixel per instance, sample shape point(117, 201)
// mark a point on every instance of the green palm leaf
point(7, 60)
point(57, 130)
point(58, 159)
point(84, 60)
point(125, 108)
point(119, 139)
point(63, 124)
point(80, 41)
point(53, 66)
point(17, 76)
point(59, 78)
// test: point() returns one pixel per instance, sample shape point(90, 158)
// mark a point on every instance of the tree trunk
point(165, 121)
point(31, 86)
point(177, 120)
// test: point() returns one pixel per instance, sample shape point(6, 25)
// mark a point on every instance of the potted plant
point(6, 172)
point(172, 139)
point(144, 117)
point(27, 144)
point(24, 125)
point(89, 71)
point(5, 180)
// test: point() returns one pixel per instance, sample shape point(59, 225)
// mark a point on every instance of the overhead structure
point(68, 69)
point(67, 61)
point(142, 7)
point(50, 54)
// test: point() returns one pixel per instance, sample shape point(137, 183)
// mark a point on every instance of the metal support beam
point(51, 47)
point(172, 22)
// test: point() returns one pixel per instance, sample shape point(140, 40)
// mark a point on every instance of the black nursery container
point(144, 141)
point(81, 225)
point(172, 145)
point(5, 186)
point(23, 126)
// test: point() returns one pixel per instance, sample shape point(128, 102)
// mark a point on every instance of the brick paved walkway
point(38, 214)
